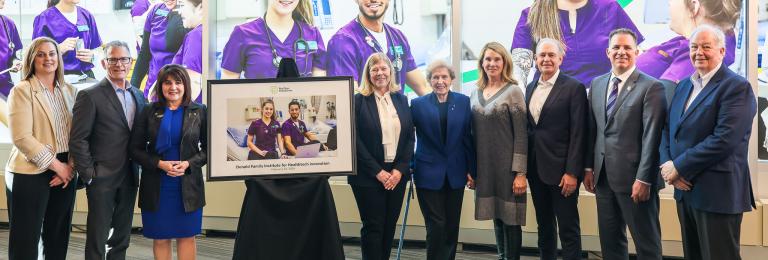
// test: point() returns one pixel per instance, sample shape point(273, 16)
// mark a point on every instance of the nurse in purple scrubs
point(74, 28)
point(264, 135)
point(190, 55)
point(582, 25)
point(350, 47)
point(670, 60)
point(10, 44)
point(139, 16)
point(163, 35)
point(255, 48)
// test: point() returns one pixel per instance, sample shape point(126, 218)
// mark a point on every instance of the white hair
point(554, 42)
point(719, 35)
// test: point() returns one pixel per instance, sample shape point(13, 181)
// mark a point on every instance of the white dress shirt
point(540, 94)
point(390, 125)
point(623, 77)
point(699, 82)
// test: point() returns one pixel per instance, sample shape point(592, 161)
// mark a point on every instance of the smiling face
point(46, 58)
point(173, 90)
point(380, 75)
point(116, 69)
point(548, 59)
point(706, 52)
point(294, 111)
point(267, 110)
point(622, 52)
point(492, 64)
point(441, 81)
point(283, 7)
point(191, 15)
point(373, 9)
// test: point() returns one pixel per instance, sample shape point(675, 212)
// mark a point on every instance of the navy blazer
point(558, 141)
point(435, 161)
point(370, 151)
point(709, 143)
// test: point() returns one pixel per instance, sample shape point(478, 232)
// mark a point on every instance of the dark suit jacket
point(193, 149)
point(559, 138)
point(99, 138)
point(709, 143)
point(370, 151)
point(626, 143)
point(435, 161)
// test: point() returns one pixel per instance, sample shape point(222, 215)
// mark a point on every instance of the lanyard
point(11, 46)
point(300, 41)
point(376, 46)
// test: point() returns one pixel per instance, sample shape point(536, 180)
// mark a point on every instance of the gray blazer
point(627, 142)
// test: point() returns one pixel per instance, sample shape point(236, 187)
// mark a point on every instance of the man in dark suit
point(704, 150)
point(557, 117)
point(628, 109)
point(101, 128)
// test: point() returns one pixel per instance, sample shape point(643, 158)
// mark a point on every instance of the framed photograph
point(280, 128)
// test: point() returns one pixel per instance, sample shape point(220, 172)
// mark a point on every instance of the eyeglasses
point(123, 60)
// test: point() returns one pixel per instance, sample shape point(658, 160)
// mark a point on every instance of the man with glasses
point(102, 119)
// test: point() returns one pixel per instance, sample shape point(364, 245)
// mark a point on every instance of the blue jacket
point(709, 143)
point(434, 162)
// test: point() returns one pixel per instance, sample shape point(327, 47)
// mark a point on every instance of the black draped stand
point(288, 218)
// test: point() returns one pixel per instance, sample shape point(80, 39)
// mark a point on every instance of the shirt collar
point(378, 96)
point(115, 87)
point(706, 77)
point(624, 76)
point(551, 80)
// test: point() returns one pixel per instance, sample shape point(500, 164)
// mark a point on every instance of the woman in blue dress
point(171, 193)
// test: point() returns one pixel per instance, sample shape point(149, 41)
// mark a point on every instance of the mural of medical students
point(255, 48)
point(74, 28)
point(670, 60)
point(190, 55)
point(10, 46)
point(583, 26)
point(162, 37)
point(351, 46)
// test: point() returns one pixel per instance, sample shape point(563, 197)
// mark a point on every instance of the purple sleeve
point(94, 31)
point(523, 37)
point(38, 27)
point(252, 128)
point(15, 38)
point(179, 57)
point(284, 130)
point(624, 21)
point(680, 68)
point(409, 62)
point(341, 57)
point(318, 59)
point(139, 7)
point(232, 55)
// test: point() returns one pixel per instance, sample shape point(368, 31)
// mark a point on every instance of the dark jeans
point(379, 210)
point(37, 209)
point(509, 240)
point(442, 213)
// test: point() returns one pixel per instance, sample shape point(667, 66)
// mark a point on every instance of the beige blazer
point(31, 122)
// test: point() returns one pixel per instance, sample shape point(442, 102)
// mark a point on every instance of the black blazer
point(370, 151)
point(99, 138)
point(193, 149)
point(558, 140)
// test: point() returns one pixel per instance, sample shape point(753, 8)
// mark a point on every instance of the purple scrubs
point(585, 56)
point(190, 54)
point(348, 51)
point(156, 25)
point(296, 133)
point(265, 136)
point(248, 50)
point(52, 23)
point(9, 35)
point(671, 60)
point(139, 7)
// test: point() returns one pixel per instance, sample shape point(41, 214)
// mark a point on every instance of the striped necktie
point(612, 97)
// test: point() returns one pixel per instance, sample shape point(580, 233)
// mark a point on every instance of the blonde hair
point(544, 20)
point(303, 12)
point(366, 86)
point(28, 66)
point(506, 71)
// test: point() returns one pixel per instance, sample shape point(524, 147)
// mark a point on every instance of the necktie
point(612, 97)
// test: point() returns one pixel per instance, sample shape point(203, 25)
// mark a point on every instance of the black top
point(443, 107)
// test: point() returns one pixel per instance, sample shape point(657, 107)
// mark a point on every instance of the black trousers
point(553, 212)
point(35, 210)
point(442, 213)
point(616, 211)
point(509, 240)
point(379, 210)
point(707, 235)
point(110, 206)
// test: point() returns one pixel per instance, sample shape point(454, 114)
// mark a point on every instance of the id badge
point(162, 12)
point(83, 28)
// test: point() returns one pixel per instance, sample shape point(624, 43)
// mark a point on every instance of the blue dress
point(170, 220)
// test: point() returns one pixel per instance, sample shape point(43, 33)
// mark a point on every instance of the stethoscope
point(376, 46)
point(11, 45)
point(300, 41)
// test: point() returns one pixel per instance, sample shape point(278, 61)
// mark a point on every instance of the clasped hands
point(389, 180)
point(173, 168)
point(672, 177)
point(64, 173)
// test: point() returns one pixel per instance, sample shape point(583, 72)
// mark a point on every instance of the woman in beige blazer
point(38, 177)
